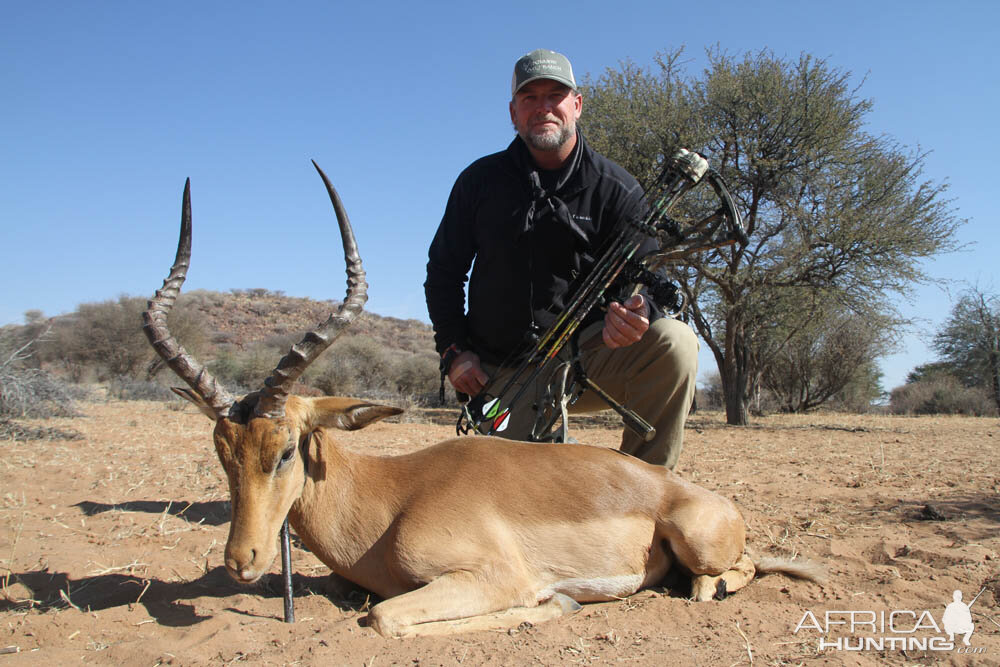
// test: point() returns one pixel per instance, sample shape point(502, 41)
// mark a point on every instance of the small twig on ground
point(209, 549)
point(108, 570)
point(65, 597)
point(10, 559)
point(144, 589)
point(749, 652)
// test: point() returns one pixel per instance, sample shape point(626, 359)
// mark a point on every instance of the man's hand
point(626, 323)
point(466, 375)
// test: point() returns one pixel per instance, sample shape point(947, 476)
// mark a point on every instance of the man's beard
point(549, 140)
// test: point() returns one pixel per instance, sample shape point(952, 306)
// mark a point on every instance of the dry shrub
point(941, 395)
point(245, 368)
point(417, 377)
point(354, 365)
point(127, 388)
point(362, 366)
point(25, 389)
point(11, 430)
point(31, 392)
point(107, 338)
point(710, 396)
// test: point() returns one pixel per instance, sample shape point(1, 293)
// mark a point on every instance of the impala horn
point(271, 398)
point(154, 323)
point(271, 402)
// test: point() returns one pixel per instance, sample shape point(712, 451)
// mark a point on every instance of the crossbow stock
point(618, 273)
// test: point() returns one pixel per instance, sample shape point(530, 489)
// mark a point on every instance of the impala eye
point(287, 455)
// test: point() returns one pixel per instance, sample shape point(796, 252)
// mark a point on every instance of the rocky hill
point(243, 317)
point(239, 335)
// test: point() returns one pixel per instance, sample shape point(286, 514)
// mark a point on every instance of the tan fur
point(471, 533)
point(471, 527)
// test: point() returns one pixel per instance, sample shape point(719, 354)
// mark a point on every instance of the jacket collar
point(580, 163)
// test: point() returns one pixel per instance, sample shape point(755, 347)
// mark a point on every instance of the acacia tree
point(829, 208)
point(834, 352)
point(969, 342)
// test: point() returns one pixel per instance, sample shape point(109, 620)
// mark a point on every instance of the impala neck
point(348, 501)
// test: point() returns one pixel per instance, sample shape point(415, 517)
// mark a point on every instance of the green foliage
point(863, 393)
point(929, 371)
point(830, 357)
point(969, 342)
point(969, 345)
point(835, 214)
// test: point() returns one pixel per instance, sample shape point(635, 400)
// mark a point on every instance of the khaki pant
point(654, 377)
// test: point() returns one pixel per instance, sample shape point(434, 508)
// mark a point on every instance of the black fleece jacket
point(531, 238)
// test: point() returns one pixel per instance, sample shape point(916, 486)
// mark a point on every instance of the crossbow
point(618, 273)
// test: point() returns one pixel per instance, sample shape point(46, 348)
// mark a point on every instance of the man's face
point(544, 113)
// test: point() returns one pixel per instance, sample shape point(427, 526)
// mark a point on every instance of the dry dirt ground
point(111, 552)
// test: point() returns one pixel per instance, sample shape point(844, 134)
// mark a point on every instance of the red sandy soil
point(111, 551)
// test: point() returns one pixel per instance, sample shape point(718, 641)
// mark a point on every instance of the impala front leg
point(463, 602)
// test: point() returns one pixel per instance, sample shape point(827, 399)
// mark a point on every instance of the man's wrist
point(448, 357)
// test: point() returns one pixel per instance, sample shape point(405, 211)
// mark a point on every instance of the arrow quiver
point(619, 273)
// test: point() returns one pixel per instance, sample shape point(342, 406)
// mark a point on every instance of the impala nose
point(242, 567)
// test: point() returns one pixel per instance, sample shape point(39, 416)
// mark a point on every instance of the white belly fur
point(598, 589)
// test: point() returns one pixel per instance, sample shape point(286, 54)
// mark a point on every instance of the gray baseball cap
point(542, 64)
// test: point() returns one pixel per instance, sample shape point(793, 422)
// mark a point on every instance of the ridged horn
point(154, 323)
point(271, 401)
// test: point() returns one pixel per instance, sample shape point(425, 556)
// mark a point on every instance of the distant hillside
point(243, 317)
point(239, 335)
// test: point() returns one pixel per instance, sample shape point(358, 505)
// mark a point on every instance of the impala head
point(265, 439)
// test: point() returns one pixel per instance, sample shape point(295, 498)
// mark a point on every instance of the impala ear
point(347, 414)
point(312, 456)
point(196, 398)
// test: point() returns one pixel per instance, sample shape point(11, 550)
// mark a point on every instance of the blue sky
point(109, 106)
